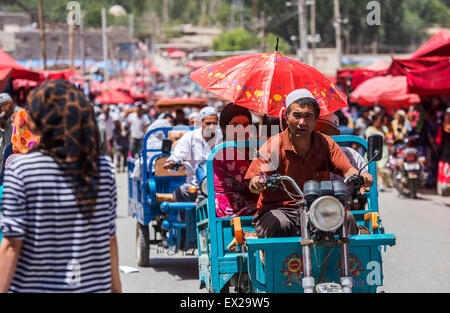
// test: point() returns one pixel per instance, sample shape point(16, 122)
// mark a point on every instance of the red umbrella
point(262, 81)
point(114, 97)
point(387, 91)
point(177, 54)
point(196, 64)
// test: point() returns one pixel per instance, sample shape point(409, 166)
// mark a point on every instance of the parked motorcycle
point(407, 168)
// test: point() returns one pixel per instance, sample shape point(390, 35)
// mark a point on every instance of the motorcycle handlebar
point(177, 166)
point(275, 180)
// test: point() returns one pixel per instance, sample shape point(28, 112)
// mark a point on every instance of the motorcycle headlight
point(327, 214)
point(204, 187)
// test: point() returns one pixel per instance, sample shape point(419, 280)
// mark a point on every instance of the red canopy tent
point(388, 91)
point(425, 76)
point(196, 64)
point(5, 74)
point(177, 54)
point(63, 74)
point(164, 104)
point(114, 97)
point(438, 45)
point(18, 70)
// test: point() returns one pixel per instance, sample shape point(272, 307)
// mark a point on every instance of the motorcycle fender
point(412, 166)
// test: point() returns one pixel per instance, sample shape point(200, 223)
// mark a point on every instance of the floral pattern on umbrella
point(261, 82)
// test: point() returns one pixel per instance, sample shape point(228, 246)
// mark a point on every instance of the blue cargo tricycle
point(324, 259)
point(150, 200)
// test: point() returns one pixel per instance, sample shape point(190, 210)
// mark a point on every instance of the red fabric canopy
point(63, 74)
point(359, 75)
point(425, 76)
point(196, 64)
point(18, 70)
point(5, 74)
point(114, 97)
point(438, 45)
point(177, 54)
point(387, 91)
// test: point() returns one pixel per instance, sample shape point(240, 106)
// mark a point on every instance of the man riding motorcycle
point(304, 155)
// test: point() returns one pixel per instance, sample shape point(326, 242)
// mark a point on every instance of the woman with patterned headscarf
point(232, 196)
point(59, 201)
point(22, 139)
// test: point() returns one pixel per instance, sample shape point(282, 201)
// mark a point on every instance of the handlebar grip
point(355, 180)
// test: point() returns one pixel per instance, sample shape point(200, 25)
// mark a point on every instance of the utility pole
point(72, 45)
point(302, 31)
point(337, 25)
point(165, 12)
point(133, 57)
point(263, 31)
point(82, 45)
point(42, 31)
point(105, 48)
point(313, 33)
point(203, 10)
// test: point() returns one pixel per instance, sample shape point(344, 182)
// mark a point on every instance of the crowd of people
point(426, 121)
point(59, 182)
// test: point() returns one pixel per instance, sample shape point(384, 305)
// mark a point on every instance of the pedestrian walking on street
point(59, 202)
point(121, 139)
point(138, 126)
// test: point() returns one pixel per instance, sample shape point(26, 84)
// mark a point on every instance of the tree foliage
point(403, 22)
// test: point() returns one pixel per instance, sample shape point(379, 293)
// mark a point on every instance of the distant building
point(21, 39)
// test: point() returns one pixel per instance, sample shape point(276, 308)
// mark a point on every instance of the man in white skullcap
point(7, 107)
point(302, 154)
point(194, 147)
point(194, 119)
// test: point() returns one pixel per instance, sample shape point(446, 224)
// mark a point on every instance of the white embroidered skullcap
point(297, 95)
point(4, 97)
point(207, 111)
point(193, 115)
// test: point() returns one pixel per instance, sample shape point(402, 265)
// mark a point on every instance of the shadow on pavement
point(183, 267)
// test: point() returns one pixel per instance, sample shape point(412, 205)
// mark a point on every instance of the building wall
point(20, 19)
point(26, 44)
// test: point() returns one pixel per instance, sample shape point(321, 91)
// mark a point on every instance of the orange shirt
point(324, 157)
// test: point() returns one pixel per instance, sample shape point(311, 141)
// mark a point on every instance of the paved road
point(420, 262)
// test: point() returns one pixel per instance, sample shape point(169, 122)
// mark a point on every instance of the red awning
point(438, 45)
point(359, 75)
point(63, 74)
point(5, 74)
point(196, 64)
point(426, 76)
point(18, 70)
point(114, 97)
point(177, 54)
point(387, 91)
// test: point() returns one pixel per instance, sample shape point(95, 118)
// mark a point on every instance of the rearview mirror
point(375, 148)
point(166, 147)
